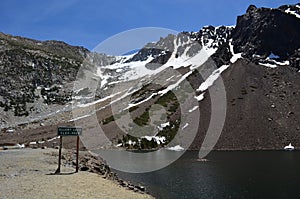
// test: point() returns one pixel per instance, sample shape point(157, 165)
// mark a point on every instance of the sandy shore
point(26, 173)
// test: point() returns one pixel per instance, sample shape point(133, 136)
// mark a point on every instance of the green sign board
point(69, 131)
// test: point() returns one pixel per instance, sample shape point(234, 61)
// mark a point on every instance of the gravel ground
point(27, 173)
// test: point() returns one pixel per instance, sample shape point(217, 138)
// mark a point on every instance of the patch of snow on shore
point(176, 148)
point(157, 139)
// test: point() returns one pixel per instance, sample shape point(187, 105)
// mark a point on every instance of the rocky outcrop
point(223, 55)
point(214, 37)
point(265, 31)
point(93, 164)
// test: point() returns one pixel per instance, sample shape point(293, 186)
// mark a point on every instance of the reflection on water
point(135, 162)
point(260, 174)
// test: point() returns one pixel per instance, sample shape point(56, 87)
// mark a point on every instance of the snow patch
point(104, 78)
point(289, 147)
point(10, 130)
point(20, 146)
point(201, 57)
point(140, 102)
point(200, 97)
point(268, 65)
point(274, 63)
point(171, 87)
point(289, 11)
point(186, 125)
point(236, 56)
point(157, 139)
point(176, 148)
point(131, 142)
point(212, 78)
point(194, 108)
point(165, 124)
point(52, 139)
point(170, 78)
point(284, 63)
point(78, 118)
point(97, 101)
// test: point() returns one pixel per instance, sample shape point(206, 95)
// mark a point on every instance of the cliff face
point(265, 31)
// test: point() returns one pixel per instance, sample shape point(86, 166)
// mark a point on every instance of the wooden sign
point(68, 131)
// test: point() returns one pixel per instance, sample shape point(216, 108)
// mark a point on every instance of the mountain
point(34, 75)
point(149, 99)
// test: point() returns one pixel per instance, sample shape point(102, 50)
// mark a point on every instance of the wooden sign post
point(68, 131)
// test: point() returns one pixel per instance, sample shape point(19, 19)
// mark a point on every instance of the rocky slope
point(35, 75)
point(258, 60)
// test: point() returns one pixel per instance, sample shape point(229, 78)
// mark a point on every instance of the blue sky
point(87, 23)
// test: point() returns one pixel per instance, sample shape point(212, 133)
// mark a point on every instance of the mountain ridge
point(227, 52)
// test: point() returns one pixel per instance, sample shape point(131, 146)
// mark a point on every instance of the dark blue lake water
point(260, 174)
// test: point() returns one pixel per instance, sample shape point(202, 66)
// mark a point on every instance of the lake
point(257, 174)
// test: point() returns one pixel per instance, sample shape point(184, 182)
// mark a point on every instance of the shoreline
point(214, 150)
point(7, 146)
point(90, 163)
point(29, 173)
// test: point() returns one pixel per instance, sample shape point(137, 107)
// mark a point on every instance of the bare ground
point(27, 173)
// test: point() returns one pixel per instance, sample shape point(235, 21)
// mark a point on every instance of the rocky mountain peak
point(265, 31)
point(251, 8)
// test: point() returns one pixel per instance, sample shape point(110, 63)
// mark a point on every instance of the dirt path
point(26, 173)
